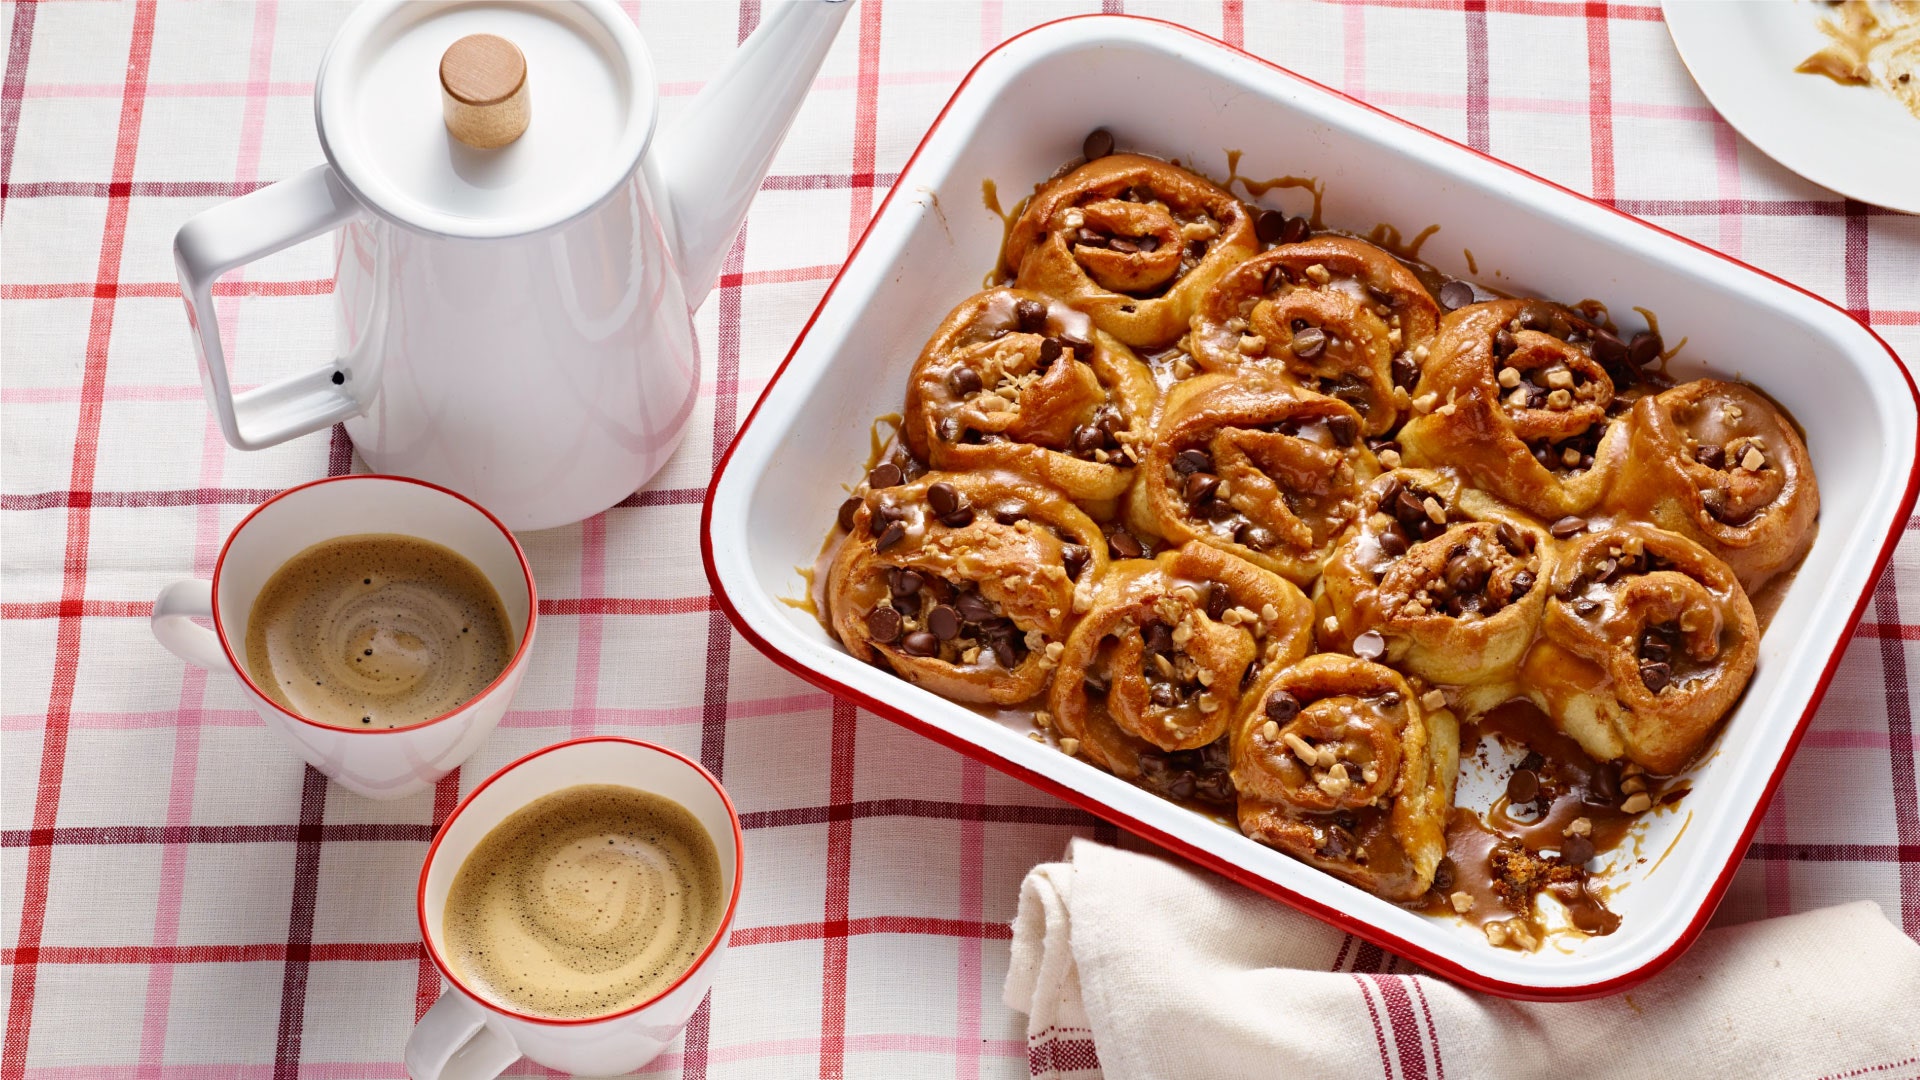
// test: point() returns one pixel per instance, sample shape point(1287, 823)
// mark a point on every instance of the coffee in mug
point(585, 902)
point(377, 630)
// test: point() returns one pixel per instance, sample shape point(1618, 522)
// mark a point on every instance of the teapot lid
point(378, 107)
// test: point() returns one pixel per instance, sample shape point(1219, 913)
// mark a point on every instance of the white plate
point(1856, 140)
point(1025, 109)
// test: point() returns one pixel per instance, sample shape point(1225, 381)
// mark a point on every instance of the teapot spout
point(705, 171)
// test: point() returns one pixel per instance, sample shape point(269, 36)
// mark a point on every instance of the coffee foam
point(377, 630)
point(584, 902)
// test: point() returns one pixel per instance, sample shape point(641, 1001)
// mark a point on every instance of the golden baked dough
point(965, 583)
point(1132, 241)
point(1338, 765)
point(1252, 466)
point(1338, 316)
point(1169, 643)
point(1646, 642)
point(1017, 381)
point(1447, 578)
point(1513, 396)
point(1715, 461)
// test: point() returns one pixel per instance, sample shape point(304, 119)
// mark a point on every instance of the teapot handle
point(238, 232)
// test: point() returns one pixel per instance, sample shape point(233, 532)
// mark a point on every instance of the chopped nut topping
point(1042, 718)
point(1461, 901)
point(1318, 274)
point(1580, 826)
point(1252, 344)
point(1390, 458)
point(1073, 219)
point(991, 403)
point(1632, 784)
point(1570, 456)
point(1269, 613)
point(1559, 400)
point(1636, 803)
point(1434, 510)
point(1425, 402)
point(1334, 786)
point(1036, 736)
point(1518, 399)
point(1330, 624)
point(1496, 934)
point(1509, 377)
point(1560, 379)
point(1054, 649)
point(1302, 749)
point(1070, 747)
point(1433, 699)
point(1270, 731)
point(1753, 460)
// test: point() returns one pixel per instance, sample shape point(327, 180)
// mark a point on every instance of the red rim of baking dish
point(1339, 919)
point(519, 654)
point(719, 933)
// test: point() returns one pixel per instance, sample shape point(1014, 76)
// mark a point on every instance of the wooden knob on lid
point(483, 91)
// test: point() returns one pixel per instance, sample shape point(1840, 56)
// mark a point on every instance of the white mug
point(466, 1036)
point(380, 763)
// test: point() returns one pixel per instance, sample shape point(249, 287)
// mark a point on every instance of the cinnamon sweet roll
point(1514, 394)
point(1717, 462)
point(1646, 642)
point(965, 583)
point(1158, 665)
point(1338, 765)
point(1252, 466)
point(1337, 315)
point(1132, 241)
point(1014, 380)
point(1445, 578)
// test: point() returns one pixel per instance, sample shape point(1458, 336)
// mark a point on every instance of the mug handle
point(455, 1042)
point(172, 623)
point(237, 232)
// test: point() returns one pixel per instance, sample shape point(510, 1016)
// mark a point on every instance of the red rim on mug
point(1339, 919)
point(519, 652)
point(719, 934)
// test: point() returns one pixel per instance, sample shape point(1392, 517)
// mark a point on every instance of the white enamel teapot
point(514, 314)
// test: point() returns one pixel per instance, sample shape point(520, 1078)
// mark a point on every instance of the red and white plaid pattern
point(182, 899)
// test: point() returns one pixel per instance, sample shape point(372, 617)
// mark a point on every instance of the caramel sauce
point(1872, 45)
point(1666, 355)
point(1001, 273)
point(1256, 188)
point(806, 601)
point(1387, 238)
point(1472, 267)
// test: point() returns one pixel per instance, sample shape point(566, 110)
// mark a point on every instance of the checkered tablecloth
point(180, 898)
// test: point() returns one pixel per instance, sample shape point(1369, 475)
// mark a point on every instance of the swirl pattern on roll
point(1338, 765)
point(1448, 577)
point(1132, 241)
point(1717, 462)
point(1646, 642)
point(1016, 381)
point(1262, 470)
point(1158, 664)
point(1338, 316)
point(965, 583)
point(1515, 393)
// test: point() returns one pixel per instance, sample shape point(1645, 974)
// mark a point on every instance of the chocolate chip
point(1604, 570)
point(1370, 645)
point(944, 498)
point(1713, 457)
point(1200, 486)
point(1393, 543)
point(891, 535)
point(1164, 695)
point(948, 429)
point(1098, 145)
point(1122, 545)
point(1309, 343)
point(1087, 438)
point(1522, 584)
point(1189, 461)
point(1004, 652)
point(1653, 648)
point(1344, 428)
point(1257, 537)
point(1197, 250)
point(1082, 349)
point(1158, 637)
point(1605, 785)
point(1408, 508)
point(1444, 875)
point(883, 625)
point(1031, 315)
point(1455, 295)
point(1576, 850)
point(1089, 238)
point(885, 475)
point(1567, 526)
point(1608, 349)
point(1511, 539)
point(1270, 225)
point(847, 510)
point(944, 622)
point(1389, 490)
point(959, 519)
point(920, 643)
point(1006, 517)
point(1655, 675)
point(1644, 349)
point(1049, 352)
point(1406, 373)
point(1217, 600)
point(1282, 707)
point(1074, 558)
point(1584, 608)
point(1523, 786)
point(973, 607)
point(1296, 230)
point(904, 583)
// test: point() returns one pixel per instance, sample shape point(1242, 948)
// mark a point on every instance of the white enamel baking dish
point(1024, 110)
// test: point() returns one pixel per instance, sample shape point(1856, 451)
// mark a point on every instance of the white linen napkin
point(1128, 965)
